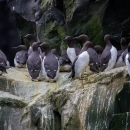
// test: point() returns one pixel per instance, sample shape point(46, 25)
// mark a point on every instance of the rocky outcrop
point(67, 104)
point(121, 117)
point(52, 20)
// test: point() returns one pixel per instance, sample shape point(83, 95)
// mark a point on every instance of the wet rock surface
point(67, 104)
point(121, 117)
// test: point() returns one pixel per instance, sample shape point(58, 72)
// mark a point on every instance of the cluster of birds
point(42, 63)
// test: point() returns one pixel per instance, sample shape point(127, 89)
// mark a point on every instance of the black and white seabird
point(21, 56)
point(4, 63)
point(81, 62)
point(121, 53)
point(72, 50)
point(34, 63)
point(50, 63)
point(31, 40)
point(109, 55)
point(93, 61)
point(99, 50)
point(127, 60)
point(3, 60)
point(65, 63)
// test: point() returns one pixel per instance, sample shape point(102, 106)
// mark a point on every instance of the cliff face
point(67, 104)
point(52, 20)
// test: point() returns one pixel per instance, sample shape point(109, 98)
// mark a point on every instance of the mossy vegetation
point(54, 35)
point(78, 20)
point(70, 6)
point(95, 31)
point(25, 27)
point(121, 122)
point(45, 4)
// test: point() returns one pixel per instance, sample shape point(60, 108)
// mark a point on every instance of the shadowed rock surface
point(121, 117)
point(54, 19)
point(9, 36)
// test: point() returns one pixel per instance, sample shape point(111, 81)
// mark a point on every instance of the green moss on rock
point(94, 30)
point(53, 34)
point(45, 4)
point(121, 122)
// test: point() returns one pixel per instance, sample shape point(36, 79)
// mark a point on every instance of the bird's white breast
point(119, 62)
point(127, 64)
point(81, 64)
point(18, 65)
point(112, 61)
point(45, 73)
point(71, 54)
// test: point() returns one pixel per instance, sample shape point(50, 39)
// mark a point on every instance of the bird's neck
point(31, 42)
point(108, 43)
point(124, 47)
point(71, 44)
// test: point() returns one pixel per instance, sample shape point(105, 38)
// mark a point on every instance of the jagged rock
point(54, 19)
point(9, 36)
point(121, 117)
point(122, 101)
point(120, 121)
point(67, 104)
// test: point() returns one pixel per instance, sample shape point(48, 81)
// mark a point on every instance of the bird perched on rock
point(3, 60)
point(126, 50)
point(31, 40)
point(120, 54)
point(109, 55)
point(21, 56)
point(34, 63)
point(72, 50)
point(127, 60)
point(4, 63)
point(81, 62)
point(99, 51)
point(50, 63)
point(93, 61)
point(65, 63)
point(2, 69)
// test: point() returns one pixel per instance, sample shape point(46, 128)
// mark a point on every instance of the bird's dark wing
point(94, 62)
point(124, 54)
point(72, 75)
point(106, 55)
point(119, 53)
point(77, 50)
